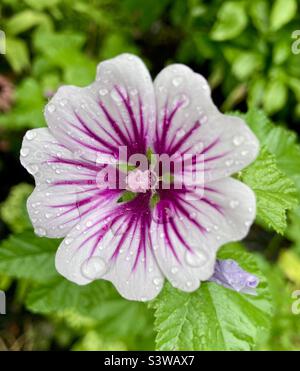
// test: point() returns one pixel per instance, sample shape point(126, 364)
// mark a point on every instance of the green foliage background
point(244, 48)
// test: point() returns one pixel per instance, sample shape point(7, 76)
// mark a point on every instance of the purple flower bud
point(230, 275)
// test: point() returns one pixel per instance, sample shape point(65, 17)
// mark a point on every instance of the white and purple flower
point(161, 230)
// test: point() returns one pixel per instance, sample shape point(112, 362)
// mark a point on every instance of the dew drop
point(247, 223)
point(63, 102)
point(174, 270)
point(157, 281)
point(234, 203)
point(238, 140)
point(196, 258)
point(133, 92)
point(33, 169)
point(40, 231)
point(116, 96)
point(30, 135)
point(193, 215)
point(228, 162)
point(180, 133)
point(177, 81)
point(25, 152)
point(51, 108)
point(68, 240)
point(94, 268)
point(103, 92)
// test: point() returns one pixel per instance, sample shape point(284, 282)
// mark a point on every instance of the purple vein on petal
point(93, 135)
point(127, 104)
point(114, 125)
point(174, 148)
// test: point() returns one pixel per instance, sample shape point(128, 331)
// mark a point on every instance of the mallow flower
point(135, 175)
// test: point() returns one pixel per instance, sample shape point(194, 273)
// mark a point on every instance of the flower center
point(138, 181)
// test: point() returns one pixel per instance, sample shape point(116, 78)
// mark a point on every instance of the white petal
point(97, 249)
point(65, 186)
point(185, 245)
point(189, 122)
point(114, 111)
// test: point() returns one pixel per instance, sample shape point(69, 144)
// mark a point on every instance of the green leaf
point(27, 256)
point(293, 229)
point(246, 64)
point(13, 210)
point(213, 317)
point(41, 4)
point(17, 54)
point(231, 21)
point(92, 341)
point(282, 12)
point(256, 91)
point(280, 141)
point(275, 192)
point(289, 263)
point(28, 110)
point(275, 96)
point(259, 12)
point(25, 20)
point(98, 300)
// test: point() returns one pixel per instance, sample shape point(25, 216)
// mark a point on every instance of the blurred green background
point(245, 50)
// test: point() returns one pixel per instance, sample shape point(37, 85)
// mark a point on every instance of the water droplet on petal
point(25, 152)
point(174, 270)
point(40, 231)
point(193, 215)
point(94, 268)
point(63, 102)
point(32, 169)
point(116, 96)
point(196, 258)
point(229, 162)
point(51, 108)
point(164, 212)
point(103, 92)
point(189, 283)
point(30, 135)
point(133, 92)
point(238, 140)
point(177, 81)
point(68, 240)
point(180, 133)
point(157, 281)
point(234, 203)
point(247, 223)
